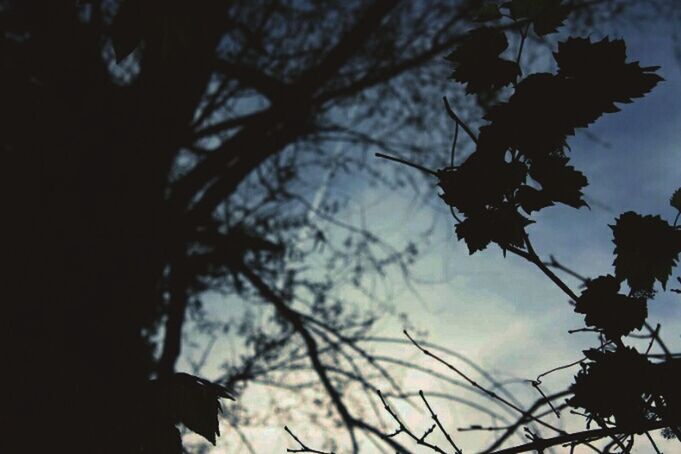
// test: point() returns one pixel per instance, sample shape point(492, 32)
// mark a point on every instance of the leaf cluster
point(520, 160)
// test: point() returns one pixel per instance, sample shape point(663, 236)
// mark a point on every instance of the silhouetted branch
point(458, 121)
point(439, 424)
point(405, 162)
point(486, 391)
point(402, 428)
point(303, 446)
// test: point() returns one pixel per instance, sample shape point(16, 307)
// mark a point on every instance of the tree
point(143, 124)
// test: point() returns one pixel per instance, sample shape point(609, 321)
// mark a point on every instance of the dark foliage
point(526, 136)
point(477, 63)
point(614, 384)
point(520, 162)
point(647, 248)
point(606, 309)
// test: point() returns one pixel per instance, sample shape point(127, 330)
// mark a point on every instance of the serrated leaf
point(533, 120)
point(647, 249)
point(489, 174)
point(504, 226)
point(560, 182)
point(192, 401)
point(531, 199)
point(602, 73)
point(675, 200)
point(546, 108)
point(477, 63)
point(611, 312)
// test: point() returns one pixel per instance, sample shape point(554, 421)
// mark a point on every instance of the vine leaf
point(500, 177)
point(477, 63)
point(602, 74)
point(546, 15)
point(613, 313)
point(560, 182)
point(675, 201)
point(192, 401)
point(546, 108)
point(504, 226)
point(614, 384)
point(531, 199)
point(647, 249)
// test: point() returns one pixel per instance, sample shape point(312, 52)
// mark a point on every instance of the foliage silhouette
point(520, 162)
point(647, 249)
point(477, 63)
point(526, 136)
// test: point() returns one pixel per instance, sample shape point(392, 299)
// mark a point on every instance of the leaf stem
point(407, 163)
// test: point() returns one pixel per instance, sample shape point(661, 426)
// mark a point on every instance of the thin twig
point(404, 429)
point(303, 447)
point(407, 163)
point(486, 391)
point(458, 121)
point(439, 424)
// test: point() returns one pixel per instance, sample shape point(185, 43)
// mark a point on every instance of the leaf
point(546, 108)
point(560, 182)
point(531, 199)
point(193, 402)
point(482, 180)
point(477, 63)
point(602, 74)
point(533, 120)
point(488, 12)
point(546, 15)
point(126, 28)
point(614, 385)
point(613, 313)
point(675, 201)
point(504, 226)
point(647, 249)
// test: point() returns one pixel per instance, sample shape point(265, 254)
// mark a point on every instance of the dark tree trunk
point(97, 235)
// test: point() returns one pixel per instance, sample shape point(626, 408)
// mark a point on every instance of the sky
point(503, 313)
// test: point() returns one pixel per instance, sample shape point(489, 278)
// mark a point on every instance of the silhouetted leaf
point(602, 74)
point(546, 15)
point(487, 12)
point(193, 402)
point(482, 180)
point(546, 108)
point(533, 119)
point(560, 182)
point(614, 384)
point(504, 226)
point(647, 249)
point(675, 201)
point(613, 313)
point(531, 199)
point(477, 63)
